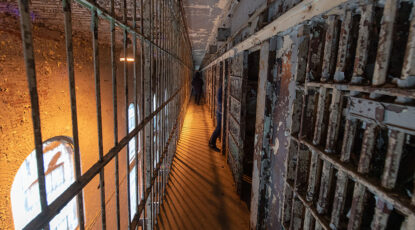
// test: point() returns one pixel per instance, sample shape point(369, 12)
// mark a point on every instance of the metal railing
point(165, 69)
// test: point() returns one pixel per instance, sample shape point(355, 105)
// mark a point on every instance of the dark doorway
point(250, 117)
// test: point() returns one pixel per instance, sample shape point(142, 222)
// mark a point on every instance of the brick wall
point(16, 132)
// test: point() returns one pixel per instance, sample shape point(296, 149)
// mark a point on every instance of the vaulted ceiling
point(202, 16)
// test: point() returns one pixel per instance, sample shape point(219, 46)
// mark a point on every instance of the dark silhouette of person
point(197, 84)
point(216, 133)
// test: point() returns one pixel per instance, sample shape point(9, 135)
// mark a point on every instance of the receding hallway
point(200, 193)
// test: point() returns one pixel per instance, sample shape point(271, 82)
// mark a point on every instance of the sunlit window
point(155, 133)
point(131, 155)
point(131, 126)
point(59, 175)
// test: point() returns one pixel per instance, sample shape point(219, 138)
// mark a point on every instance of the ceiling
point(202, 17)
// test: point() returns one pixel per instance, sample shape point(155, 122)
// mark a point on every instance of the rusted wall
point(15, 116)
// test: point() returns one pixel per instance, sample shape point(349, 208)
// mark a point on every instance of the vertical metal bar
point(342, 179)
point(137, 200)
point(147, 135)
point(297, 214)
point(390, 174)
point(143, 112)
point(288, 201)
point(315, 53)
point(408, 70)
point(344, 46)
point(115, 115)
point(29, 59)
point(334, 120)
point(320, 115)
point(127, 161)
point(70, 64)
point(314, 176)
point(363, 43)
point(152, 107)
point(330, 48)
point(325, 187)
point(94, 26)
point(360, 192)
point(385, 42)
point(309, 221)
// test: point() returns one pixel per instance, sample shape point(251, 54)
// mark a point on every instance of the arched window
point(59, 175)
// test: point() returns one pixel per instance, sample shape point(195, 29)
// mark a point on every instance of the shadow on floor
point(200, 193)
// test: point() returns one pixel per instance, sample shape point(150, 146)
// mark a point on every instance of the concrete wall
point(16, 132)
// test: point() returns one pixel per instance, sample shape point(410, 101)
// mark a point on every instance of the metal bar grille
point(345, 166)
point(164, 74)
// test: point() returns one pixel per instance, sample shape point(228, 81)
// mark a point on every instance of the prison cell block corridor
point(314, 99)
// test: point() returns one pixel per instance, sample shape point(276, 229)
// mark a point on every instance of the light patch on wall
point(276, 147)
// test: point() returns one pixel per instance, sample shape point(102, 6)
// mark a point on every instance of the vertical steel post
point(29, 59)
point(94, 25)
point(70, 64)
point(115, 114)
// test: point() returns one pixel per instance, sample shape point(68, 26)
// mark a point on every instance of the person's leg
point(216, 133)
point(198, 98)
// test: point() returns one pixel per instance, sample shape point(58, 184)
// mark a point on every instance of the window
point(131, 126)
point(155, 132)
point(131, 155)
point(59, 175)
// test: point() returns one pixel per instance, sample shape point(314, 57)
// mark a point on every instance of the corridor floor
point(201, 192)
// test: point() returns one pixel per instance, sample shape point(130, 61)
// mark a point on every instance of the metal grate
point(165, 71)
point(351, 154)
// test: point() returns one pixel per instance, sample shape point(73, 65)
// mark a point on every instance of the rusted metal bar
point(360, 193)
point(137, 186)
point(342, 179)
point(334, 120)
point(389, 176)
point(127, 120)
point(330, 48)
point(29, 59)
point(385, 42)
point(403, 205)
point(319, 126)
point(92, 5)
point(309, 221)
point(325, 188)
point(363, 43)
point(319, 221)
point(315, 53)
point(344, 47)
point(314, 176)
point(158, 169)
point(97, 76)
point(395, 92)
point(297, 214)
point(408, 71)
point(288, 201)
point(71, 75)
point(44, 217)
point(143, 105)
point(115, 114)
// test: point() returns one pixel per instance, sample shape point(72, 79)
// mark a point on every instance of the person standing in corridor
point(197, 84)
point(216, 133)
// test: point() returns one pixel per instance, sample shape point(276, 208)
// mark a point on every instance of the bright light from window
point(128, 59)
point(59, 175)
point(131, 126)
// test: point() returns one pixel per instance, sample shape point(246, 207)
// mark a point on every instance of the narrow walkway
point(201, 193)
